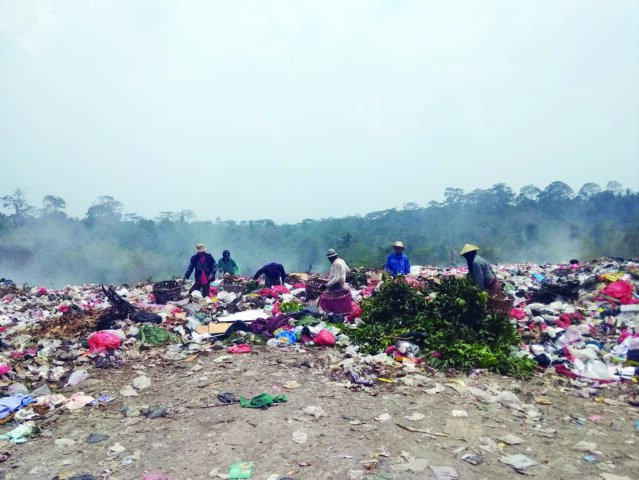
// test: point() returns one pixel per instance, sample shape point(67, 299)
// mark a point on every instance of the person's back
point(479, 269)
point(274, 274)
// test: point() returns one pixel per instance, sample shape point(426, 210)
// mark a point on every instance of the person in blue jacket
point(204, 265)
point(397, 262)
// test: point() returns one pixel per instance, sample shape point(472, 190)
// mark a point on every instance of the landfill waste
point(579, 323)
point(263, 400)
point(97, 438)
point(154, 411)
point(142, 382)
point(241, 470)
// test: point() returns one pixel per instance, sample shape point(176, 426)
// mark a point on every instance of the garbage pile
point(581, 320)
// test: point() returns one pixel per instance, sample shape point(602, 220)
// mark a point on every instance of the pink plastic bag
point(622, 291)
point(242, 348)
point(324, 339)
point(102, 341)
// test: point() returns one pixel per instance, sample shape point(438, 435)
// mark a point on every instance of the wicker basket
point(338, 301)
point(166, 291)
point(499, 304)
point(314, 287)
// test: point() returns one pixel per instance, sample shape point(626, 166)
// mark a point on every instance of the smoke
point(54, 250)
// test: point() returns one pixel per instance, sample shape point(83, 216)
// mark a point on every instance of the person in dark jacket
point(479, 269)
point(204, 265)
point(274, 274)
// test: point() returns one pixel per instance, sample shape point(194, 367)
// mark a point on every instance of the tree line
point(45, 245)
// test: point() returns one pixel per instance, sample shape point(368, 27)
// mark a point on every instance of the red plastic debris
point(242, 348)
point(324, 339)
point(102, 341)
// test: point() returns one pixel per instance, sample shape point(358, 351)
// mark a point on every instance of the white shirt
point(338, 272)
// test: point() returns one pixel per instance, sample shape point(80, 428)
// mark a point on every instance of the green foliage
point(453, 318)
point(291, 307)
point(251, 286)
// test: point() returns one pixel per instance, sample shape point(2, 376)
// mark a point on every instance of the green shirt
point(230, 267)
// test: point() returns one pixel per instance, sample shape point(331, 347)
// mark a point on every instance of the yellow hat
point(398, 244)
point(200, 247)
point(468, 248)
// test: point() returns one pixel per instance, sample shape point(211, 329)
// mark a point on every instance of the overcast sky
point(310, 109)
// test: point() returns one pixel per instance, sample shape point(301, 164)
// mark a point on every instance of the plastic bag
point(622, 291)
point(570, 336)
point(102, 341)
point(324, 339)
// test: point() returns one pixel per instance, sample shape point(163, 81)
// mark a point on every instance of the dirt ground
point(200, 440)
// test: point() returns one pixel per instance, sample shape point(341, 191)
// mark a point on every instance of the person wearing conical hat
point(479, 269)
point(397, 263)
point(338, 271)
point(204, 265)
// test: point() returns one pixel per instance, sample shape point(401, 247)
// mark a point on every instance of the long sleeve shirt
point(481, 272)
point(204, 266)
point(272, 272)
point(337, 273)
point(228, 267)
point(398, 264)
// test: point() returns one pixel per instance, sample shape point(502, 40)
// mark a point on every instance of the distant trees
point(52, 204)
point(542, 225)
point(588, 190)
point(17, 202)
point(105, 207)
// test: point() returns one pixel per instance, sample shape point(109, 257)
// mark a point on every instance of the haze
point(312, 109)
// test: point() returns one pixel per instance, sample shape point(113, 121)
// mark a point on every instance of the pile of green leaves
point(291, 307)
point(456, 330)
point(358, 277)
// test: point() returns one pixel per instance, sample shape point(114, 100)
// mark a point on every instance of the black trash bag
point(141, 316)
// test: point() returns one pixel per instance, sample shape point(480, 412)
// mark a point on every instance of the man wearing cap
point(397, 263)
point(227, 264)
point(479, 269)
point(338, 271)
point(204, 265)
point(274, 274)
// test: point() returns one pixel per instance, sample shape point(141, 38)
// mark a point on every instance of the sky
point(312, 109)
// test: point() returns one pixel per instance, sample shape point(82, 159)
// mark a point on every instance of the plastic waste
point(142, 382)
point(286, 337)
point(570, 336)
point(240, 470)
point(77, 377)
point(325, 339)
point(407, 349)
point(20, 434)
point(314, 410)
point(102, 341)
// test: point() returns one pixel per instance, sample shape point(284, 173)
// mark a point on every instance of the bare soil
point(199, 439)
